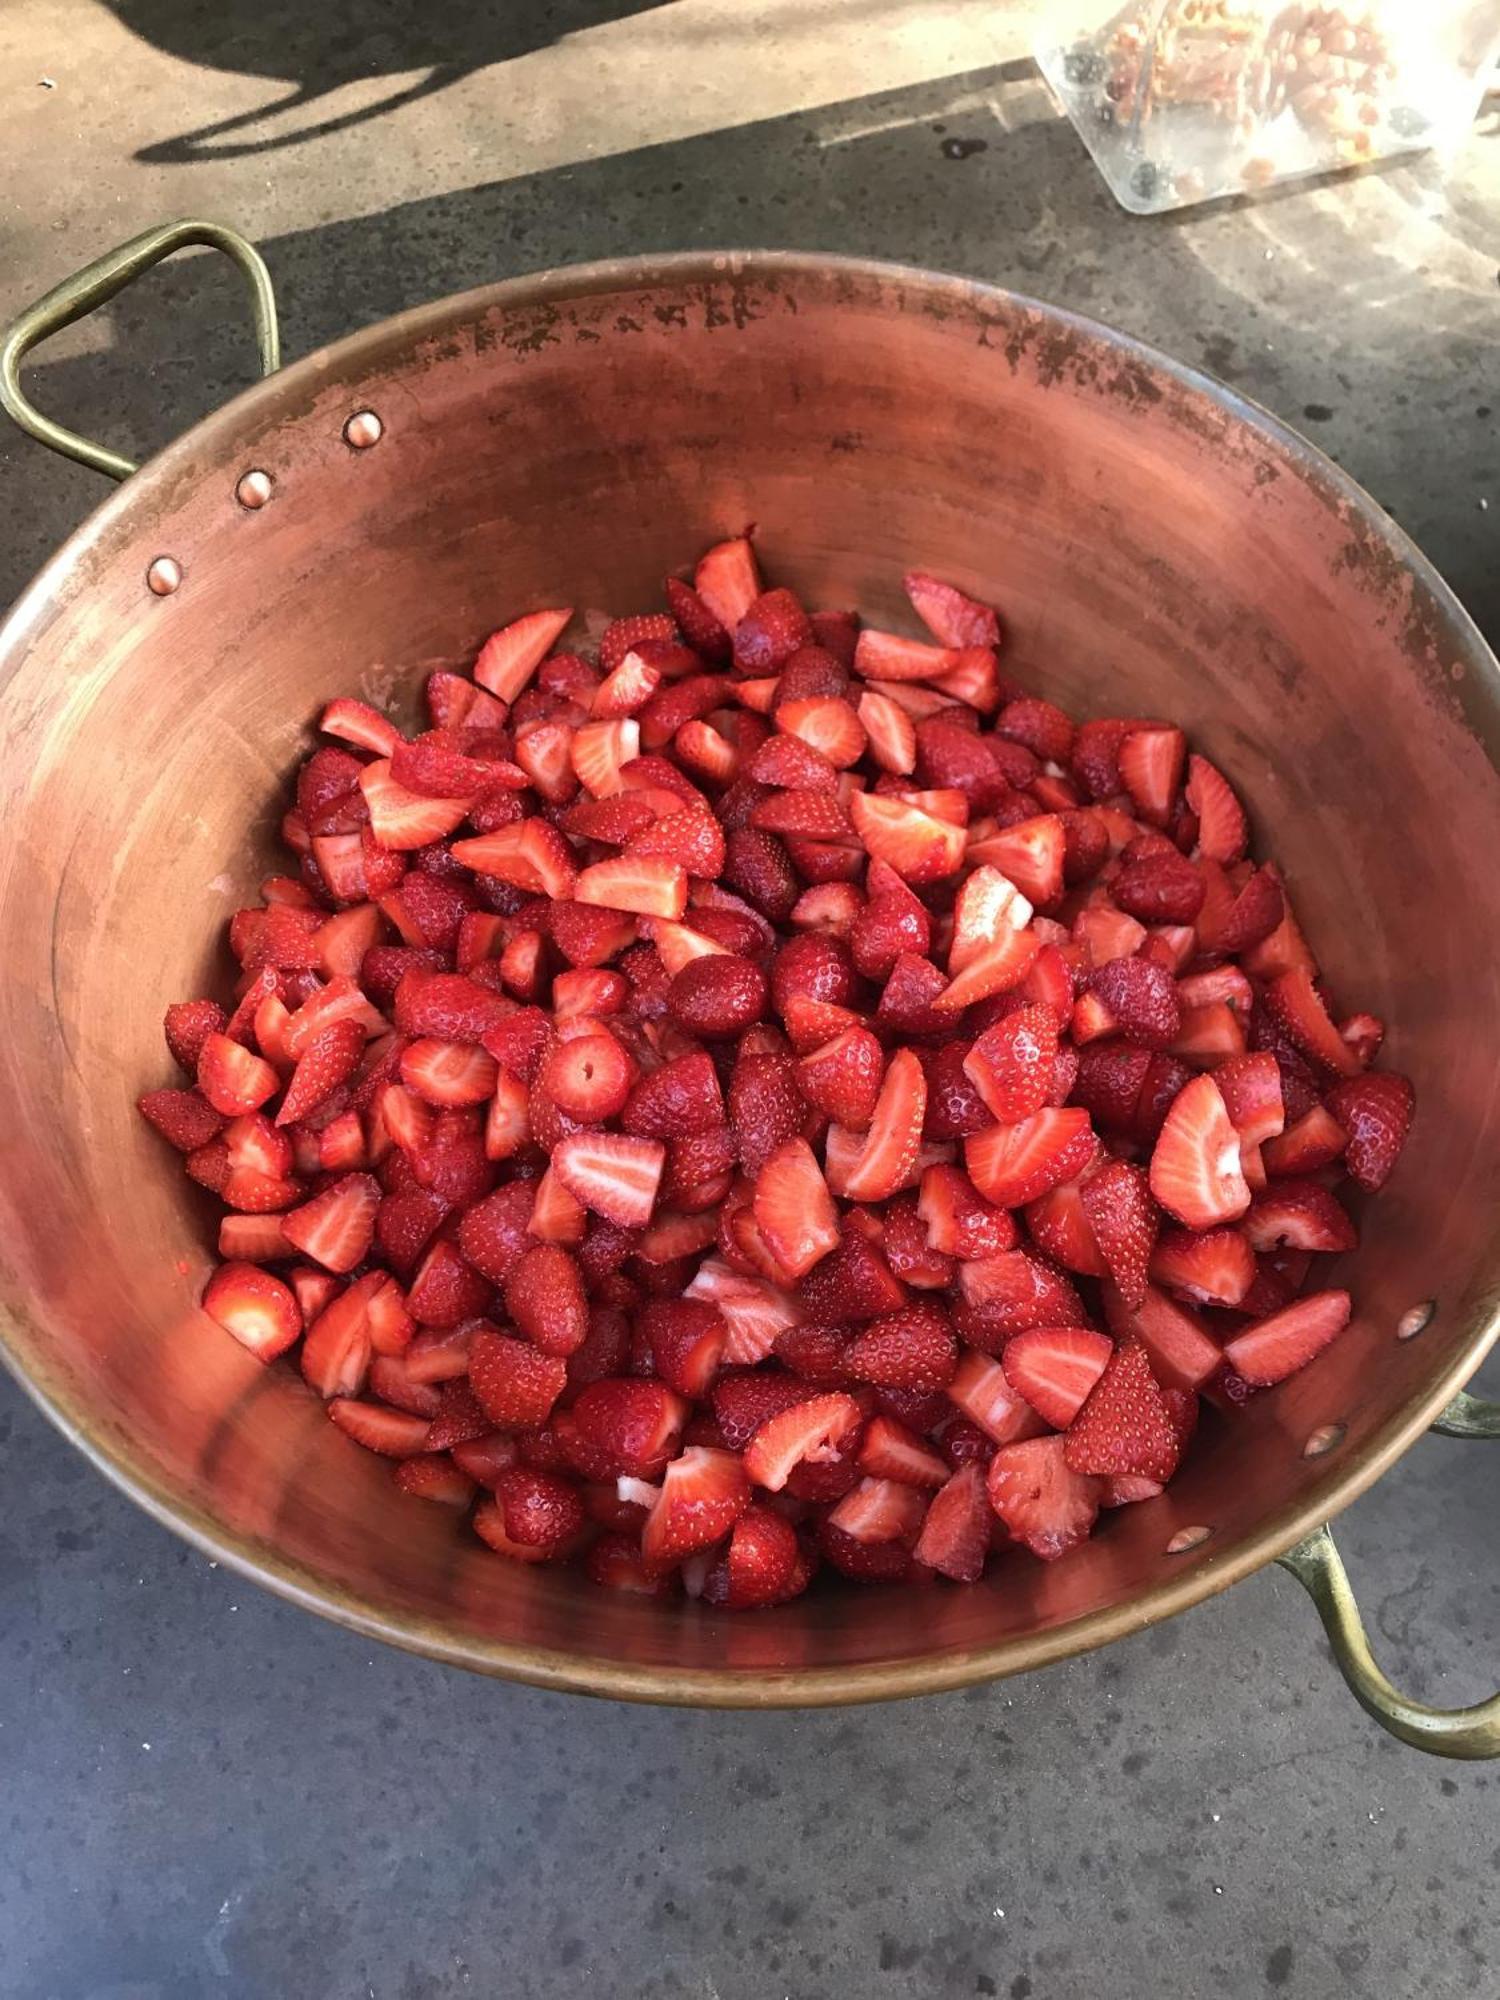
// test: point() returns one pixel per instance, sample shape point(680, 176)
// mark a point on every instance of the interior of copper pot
point(1154, 548)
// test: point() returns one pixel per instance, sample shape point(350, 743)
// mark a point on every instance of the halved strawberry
point(793, 1209)
point(508, 658)
point(1215, 1268)
point(955, 1537)
point(1017, 1163)
point(811, 1431)
point(762, 1565)
point(1125, 1426)
point(1030, 853)
point(184, 1118)
point(448, 1073)
point(1277, 1347)
point(1375, 1110)
point(890, 1151)
point(703, 1493)
point(489, 1525)
point(1010, 1065)
point(918, 846)
point(613, 1174)
point(258, 1309)
point(828, 724)
point(1150, 763)
point(1044, 1503)
point(1195, 1164)
point(335, 1228)
point(1124, 1218)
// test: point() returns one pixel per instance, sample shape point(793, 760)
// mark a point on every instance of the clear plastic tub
point(1183, 100)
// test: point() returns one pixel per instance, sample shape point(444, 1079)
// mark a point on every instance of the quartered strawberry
point(258, 1309)
point(1297, 1006)
point(509, 658)
point(918, 846)
point(1150, 765)
point(1215, 1268)
point(691, 840)
point(811, 1431)
point(1125, 1426)
point(1375, 1110)
point(855, 1283)
point(335, 1228)
point(959, 1221)
point(762, 1565)
point(888, 1450)
point(1223, 834)
point(436, 1478)
point(1124, 1219)
point(703, 1493)
point(1060, 1229)
point(793, 1209)
point(1013, 1290)
point(184, 1118)
point(955, 1536)
point(889, 1154)
point(1274, 1348)
point(952, 618)
point(544, 1296)
point(392, 1433)
point(232, 1078)
point(187, 1026)
point(613, 1174)
point(1159, 889)
point(1302, 1215)
point(1013, 1164)
point(635, 1424)
point(1055, 1368)
point(1182, 1353)
point(1030, 853)
point(1141, 999)
point(516, 1383)
point(1043, 1502)
point(911, 1349)
point(727, 581)
point(843, 1077)
point(1010, 1065)
point(1195, 1165)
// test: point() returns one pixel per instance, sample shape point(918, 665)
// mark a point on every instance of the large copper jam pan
point(1157, 544)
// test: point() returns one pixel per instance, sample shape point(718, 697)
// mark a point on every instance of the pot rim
point(1199, 1579)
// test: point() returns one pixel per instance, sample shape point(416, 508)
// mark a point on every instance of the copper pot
point(1157, 545)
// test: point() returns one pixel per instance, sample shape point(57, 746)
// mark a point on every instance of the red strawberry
point(854, 1283)
point(445, 1290)
point(435, 1478)
point(960, 1223)
point(1014, 1164)
point(686, 1338)
point(1029, 853)
point(772, 627)
point(1141, 998)
point(393, 1433)
point(187, 1026)
point(544, 1295)
point(703, 1494)
point(184, 1118)
point(1247, 919)
point(1159, 889)
point(1042, 1501)
point(335, 1228)
point(258, 1309)
point(1014, 1290)
point(1296, 1005)
point(702, 629)
point(1277, 1347)
point(1060, 1229)
point(1195, 1166)
point(762, 1565)
point(1150, 764)
point(812, 1431)
point(910, 1349)
point(793, 1209)
point(1183, 1356)
point(719, 995)
point(1301, 1214)
point(954, 1107)
point(614, 1175)
point(1055, 1368)
point(878, 1511)
point(888, 1450)
point(1125, 1426)
point(727, 581)
point(843, 1076)
point(589, 1077)
point(1316, 1140)
point(889, 1153)
point(952, 618)
point(538, 1507)
point(1124, 1218)
point(679, 1100)
point(1375, 1110)
point(1222, 831)
point(508, 658)
point(514, 1382)
point(918, 846)
point(765, 1107)
point(1216, 1268)
point(1011, 1063)
point(634, 1424)
point(955, 1537)
point(232, 1078)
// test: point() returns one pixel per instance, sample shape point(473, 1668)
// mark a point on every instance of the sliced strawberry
point(1295, 1003)
point(911, 1349)
point(762, 1565)
point(335, 1357)
point(1055, 1369)
point(514, 1382)
point(955, 1537)
point(703, 1494)
point(392, 1433)
point(1316, 1140)
point(691, 839)
point(793, 1209)
point(995, 968)
point(890, 1150)
point(1014, 1290)
point(1375, 1111)
point(1300, 1214)
point(258, 1309)
point(1125, 1427)
point(1043, 1502)
point(960, 1222)
point(184, 1118)
point(888, 1450)
point(987, 906)
point(883, 656)
point(1030, 854)
point(1150, 764)
point(250, 1239)
point(952, 618)
point(509, 658)
point(232, 1078)
point(1060, 1228)
point(436, 1478)
point(448, 1073)
point(1195, 1165)
point(1010, 1065)
point(648, 886)
point(918, 846)
point(1014, 1164)
point(1277, 1347)
point(891, 733)
point(808, 1431)
point(187, 1026)
point(1251, 1088)
point(1183, 1356)
point(1216, 1268)
point(614, 1175)
point(335, 1228)
point(727, 582)
point(356, 722)
point(979, 1388)
point(1223, 834)
point(531, 855)
point(1124, 1218)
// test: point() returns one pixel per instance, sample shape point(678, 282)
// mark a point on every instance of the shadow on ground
point(966, 174)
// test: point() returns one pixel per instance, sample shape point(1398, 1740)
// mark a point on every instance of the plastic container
point(1179, 101)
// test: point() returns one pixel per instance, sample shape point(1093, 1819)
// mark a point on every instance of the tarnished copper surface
point(1157, 547)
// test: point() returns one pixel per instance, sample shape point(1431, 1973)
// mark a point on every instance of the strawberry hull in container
point(775, 1094)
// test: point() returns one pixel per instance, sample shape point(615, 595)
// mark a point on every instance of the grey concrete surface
point(204, 1792)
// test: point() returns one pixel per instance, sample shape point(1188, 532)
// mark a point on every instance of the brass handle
point(95, 284)
point(1316, 1564)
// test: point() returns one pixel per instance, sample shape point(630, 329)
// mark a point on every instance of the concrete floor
point(206, 1792)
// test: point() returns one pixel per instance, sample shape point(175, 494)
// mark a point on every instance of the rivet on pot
point(1326, 1438)
point(1416, 1320)
point(253, 489)
point(164, 576)
point(363, 429)
point(1187, 1538)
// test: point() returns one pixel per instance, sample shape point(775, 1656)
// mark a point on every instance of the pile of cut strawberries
point(772, 1092)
